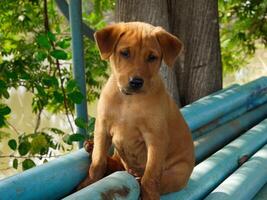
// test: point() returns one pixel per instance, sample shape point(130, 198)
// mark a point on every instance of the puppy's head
point(135, 51)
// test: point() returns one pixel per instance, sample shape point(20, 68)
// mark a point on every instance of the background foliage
point(243, 29)
point(35, 54)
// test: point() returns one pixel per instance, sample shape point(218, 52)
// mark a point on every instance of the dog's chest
point(130, 145)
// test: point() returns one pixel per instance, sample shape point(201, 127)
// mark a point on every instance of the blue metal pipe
point(58, 178)
point(210, 173)
point(228, 117)
point(75, 11)
point(52, 180)
point(217, 138)
point(262, 194)
point(119, 185)
point(204, 111)
point(244, 183)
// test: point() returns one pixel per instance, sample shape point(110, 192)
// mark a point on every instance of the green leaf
point(59, 54)
point(6, 94)
point(66, 139)
point(57, 131)
point(51, 36)
point(39, 144)
point(76, 137)
point(3, 89)
point(24, 148)
point(27, 164)
point(91, 125)
point(2, 84)
point(43, 41)
point(15, 163)
point(12, 144)
point(40, 56)
point(64, 44)
point(80, 123)
point(58, 96)
point(5, 110)
point(25, 76)
point(71, 85)
point(50, 81)
point(2, 121)
point(76, 97)
point(40, 90)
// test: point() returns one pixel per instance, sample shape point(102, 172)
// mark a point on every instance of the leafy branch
point(47, 30)
point(33, 51)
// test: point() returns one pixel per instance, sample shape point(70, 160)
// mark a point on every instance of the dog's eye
point(151, 58)
point(125, 53)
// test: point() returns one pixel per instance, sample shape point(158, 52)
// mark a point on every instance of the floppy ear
point(107, 39)
point(170, 45)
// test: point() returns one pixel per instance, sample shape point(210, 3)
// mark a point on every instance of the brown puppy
point(136, 113)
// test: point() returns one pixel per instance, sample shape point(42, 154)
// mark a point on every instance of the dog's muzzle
point(134, 86)
point(126, 91)
point(135, 83)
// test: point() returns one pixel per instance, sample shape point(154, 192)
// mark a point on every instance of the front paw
point(150, 190)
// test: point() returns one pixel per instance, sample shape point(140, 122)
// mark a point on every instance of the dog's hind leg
point(175, 178)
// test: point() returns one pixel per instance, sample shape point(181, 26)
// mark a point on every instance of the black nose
point(136, 83)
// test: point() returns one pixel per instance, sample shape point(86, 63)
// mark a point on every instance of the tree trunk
point(198, 71)
point(154, 12)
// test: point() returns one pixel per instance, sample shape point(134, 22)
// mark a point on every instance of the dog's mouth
point(128, 91)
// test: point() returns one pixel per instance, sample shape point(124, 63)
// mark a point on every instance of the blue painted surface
point(244, 183)
point(208, 174)
point(52, 180)
point(212, 107)
point(218, 137)
point(228, 117)
point(58, 178)
point(119, 185)
point(78, 58)
point(262, 194)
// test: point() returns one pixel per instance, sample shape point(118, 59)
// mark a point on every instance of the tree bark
point(198, 72)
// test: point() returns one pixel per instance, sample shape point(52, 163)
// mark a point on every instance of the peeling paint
point(115, 192)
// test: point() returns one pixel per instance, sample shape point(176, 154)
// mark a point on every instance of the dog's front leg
point(156, 153)
point(102, 142)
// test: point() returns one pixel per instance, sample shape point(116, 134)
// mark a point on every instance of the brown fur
point(151, 138)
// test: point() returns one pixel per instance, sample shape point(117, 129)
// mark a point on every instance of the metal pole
point(207, 128)
point(218, 137)
point(213, 107)
point(75, 11)
point(262, 194)
point(52, 180)
point(245, 182)
point(124, 186)
point(210, 173)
